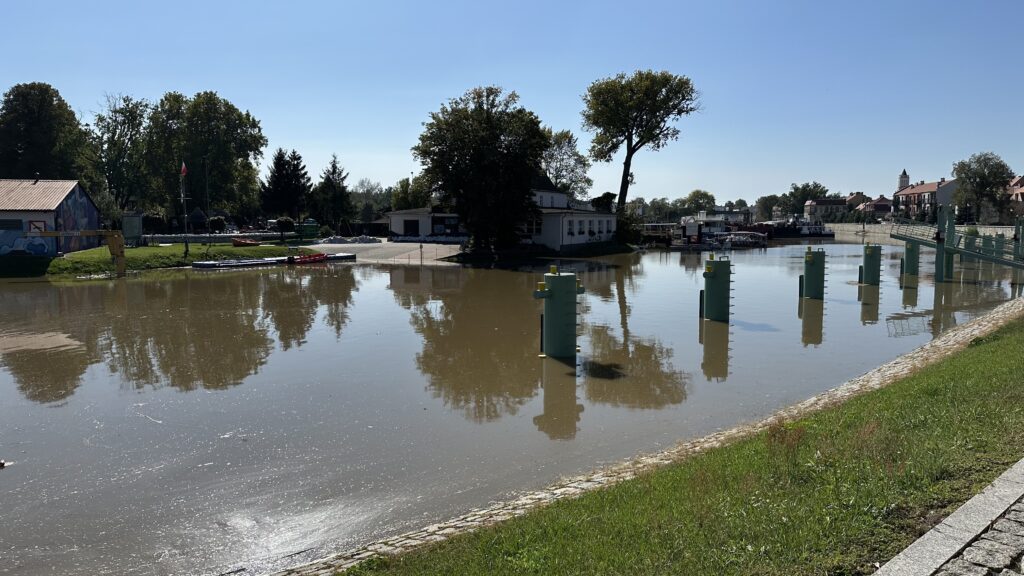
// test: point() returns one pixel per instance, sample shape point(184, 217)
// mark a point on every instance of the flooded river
point(195, 423)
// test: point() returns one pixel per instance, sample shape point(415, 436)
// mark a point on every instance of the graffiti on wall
point(77, 212)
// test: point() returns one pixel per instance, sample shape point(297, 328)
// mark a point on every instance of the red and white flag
point(184, 170)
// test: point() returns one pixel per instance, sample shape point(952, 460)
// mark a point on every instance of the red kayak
point(307, 259)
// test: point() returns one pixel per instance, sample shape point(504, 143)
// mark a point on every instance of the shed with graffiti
point(41, 205)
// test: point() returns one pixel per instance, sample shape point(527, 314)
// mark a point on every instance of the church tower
point(904, 181)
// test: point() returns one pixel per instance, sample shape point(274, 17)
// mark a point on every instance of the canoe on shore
point(250, 262)
point(243, 242)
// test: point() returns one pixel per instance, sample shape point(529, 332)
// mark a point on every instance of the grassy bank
point(832, 493)
point(97, 260)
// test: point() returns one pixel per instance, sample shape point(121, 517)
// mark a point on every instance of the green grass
point(98, 261)
point(832, 493)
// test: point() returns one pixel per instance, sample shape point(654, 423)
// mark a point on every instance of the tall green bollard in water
point(946, 233)
point(999, 246)
point(715, 297)
point(970, 245)
point(987, 245)
point(814, 275)
point(911, 258)
point(1018, 231)
point(558, 329)
point(871, 270)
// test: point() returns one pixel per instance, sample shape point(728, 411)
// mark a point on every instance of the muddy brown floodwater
point(195, 423)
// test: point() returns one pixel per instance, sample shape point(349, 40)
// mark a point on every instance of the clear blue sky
point(845, 93)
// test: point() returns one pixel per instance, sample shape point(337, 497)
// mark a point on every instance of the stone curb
point(945, 345)
point(951, 536)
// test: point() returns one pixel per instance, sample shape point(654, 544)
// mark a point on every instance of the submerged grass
point(837, 492)
point(98, 261)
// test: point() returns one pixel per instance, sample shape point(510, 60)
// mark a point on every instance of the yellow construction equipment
point(115, 243)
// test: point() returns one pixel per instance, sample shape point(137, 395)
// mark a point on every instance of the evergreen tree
point(287, 187)
point(330, 202)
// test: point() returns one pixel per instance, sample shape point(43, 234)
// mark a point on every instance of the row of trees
point(665, 210)
point(131, 157)
point(481, 154)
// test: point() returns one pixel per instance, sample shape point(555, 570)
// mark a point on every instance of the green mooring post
point(1018, 237)
point(946, 232)
point(715, 297)
point(911, 259)
point(813, 280)
point(999, 245)
point(971, 245)
point(987, 245)
point(558, 329)
point(871, 270)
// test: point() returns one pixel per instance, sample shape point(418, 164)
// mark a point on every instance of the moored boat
point(243, 242)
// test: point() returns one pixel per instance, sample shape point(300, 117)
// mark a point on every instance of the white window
point(580, 228)
point(600, 226)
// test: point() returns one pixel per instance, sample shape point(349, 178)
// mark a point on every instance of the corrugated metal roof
point(30, 195)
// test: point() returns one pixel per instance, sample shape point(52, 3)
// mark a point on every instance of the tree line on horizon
point(480, 153)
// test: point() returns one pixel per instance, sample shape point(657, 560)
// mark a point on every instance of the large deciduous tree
point(700, 200)
point(634, 112)
point(793, 201)
point(218, 142)
point(565, 165)
point(415, 193)
point(981, 180)
point(41, 135)
point(120, 137)
point(764, 205)
point(287, 186)
point(483, 151)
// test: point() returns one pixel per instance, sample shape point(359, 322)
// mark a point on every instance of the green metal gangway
point(947, 242)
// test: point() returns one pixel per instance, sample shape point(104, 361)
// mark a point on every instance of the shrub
point(285, 224)
point(326, 231)
point(972, 231)
point(217, 224)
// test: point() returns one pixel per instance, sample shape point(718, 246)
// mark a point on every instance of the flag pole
point(184, 206)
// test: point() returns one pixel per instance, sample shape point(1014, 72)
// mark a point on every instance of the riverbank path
point(394, 252)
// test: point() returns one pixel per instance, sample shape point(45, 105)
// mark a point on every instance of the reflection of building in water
point(561, 411)
point(812, 316)
point(869, 297)
point(430, 279)
point(909, 286)
point(691, 261)
point(715, 338)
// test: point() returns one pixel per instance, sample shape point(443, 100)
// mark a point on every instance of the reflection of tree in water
point(332, 287)
point(187, 331)
point(46, 375)
point(480, 343)
point(652, 380)
point(633, 372)
point(289, 305)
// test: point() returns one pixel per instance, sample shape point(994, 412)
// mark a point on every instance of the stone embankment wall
point(945, 345)
point(879, 233)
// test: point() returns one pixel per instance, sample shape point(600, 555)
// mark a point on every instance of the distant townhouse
point(923, 197)
point(819, 208)
point(880, 207)
point(1016, 189)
